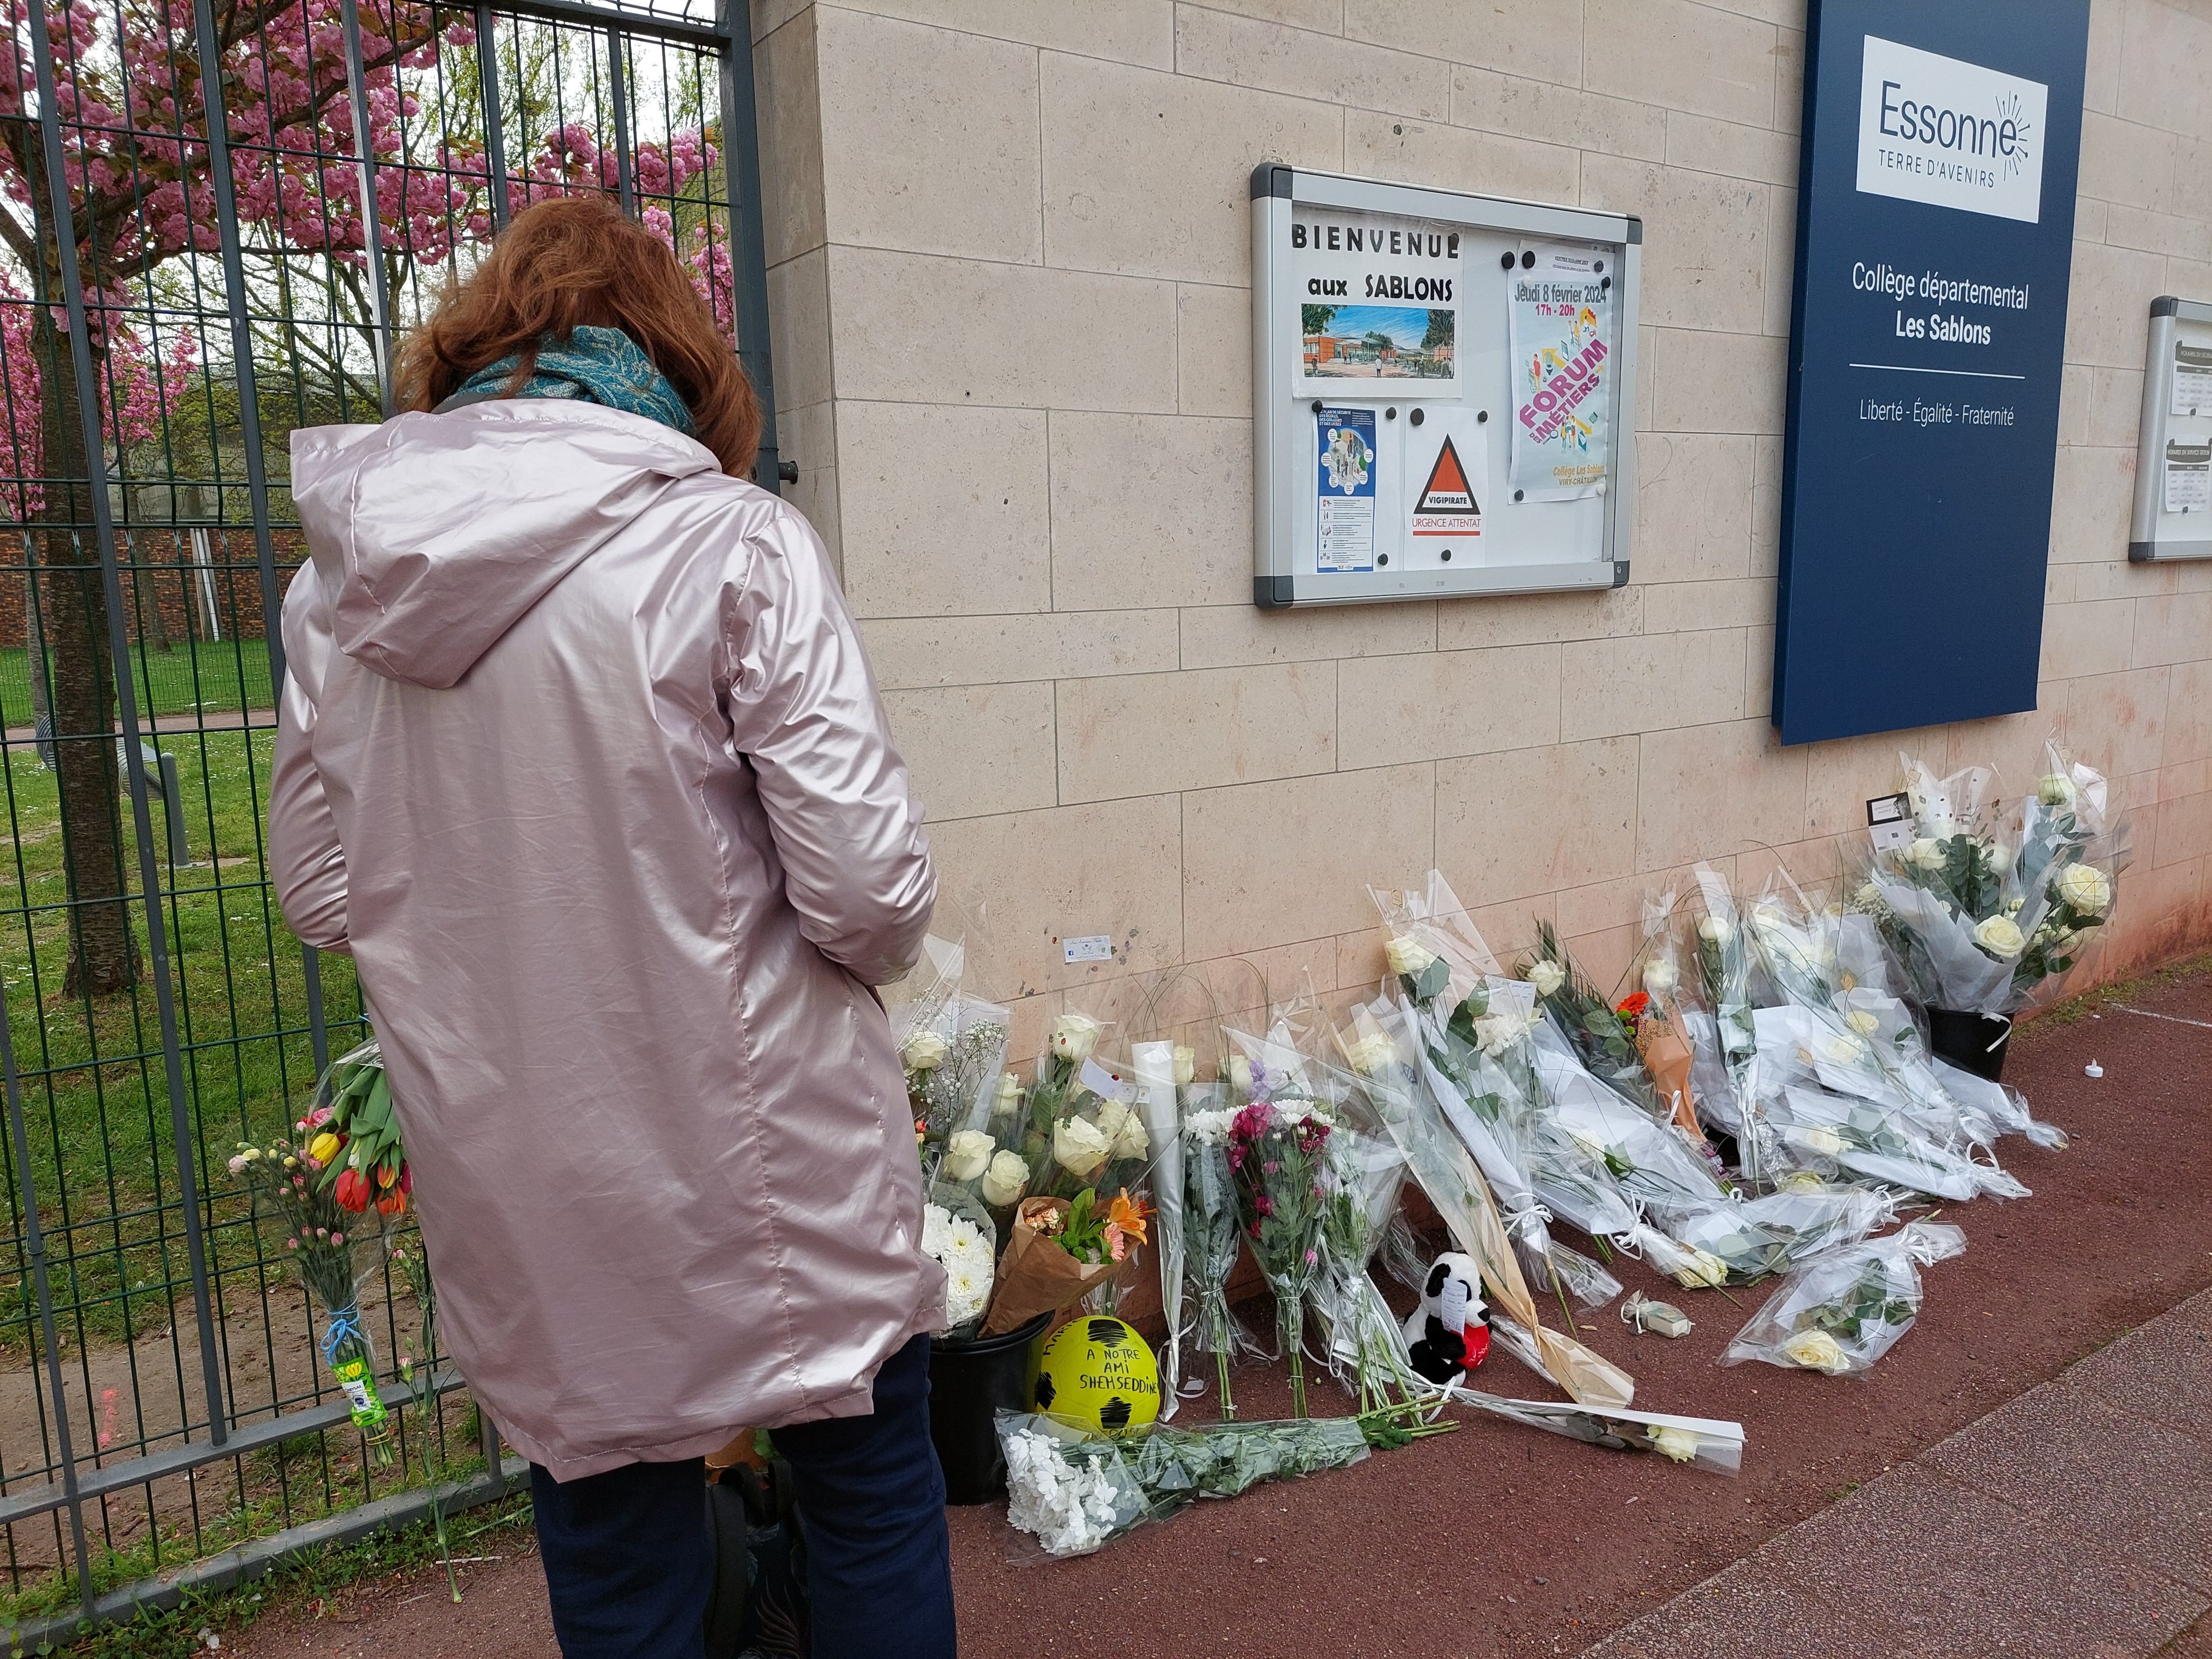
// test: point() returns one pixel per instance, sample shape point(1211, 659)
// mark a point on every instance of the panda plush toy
point(1447, 1334)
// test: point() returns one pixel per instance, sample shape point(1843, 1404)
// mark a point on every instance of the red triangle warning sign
point(1448, 491)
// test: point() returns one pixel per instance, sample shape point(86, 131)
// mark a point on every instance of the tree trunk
point(103, 954)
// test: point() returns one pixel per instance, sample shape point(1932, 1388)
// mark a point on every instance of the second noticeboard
point(1442, 386)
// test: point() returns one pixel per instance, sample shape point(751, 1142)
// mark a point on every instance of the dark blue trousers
point(628, 1568)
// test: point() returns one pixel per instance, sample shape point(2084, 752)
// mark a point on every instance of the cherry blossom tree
point(136, 163)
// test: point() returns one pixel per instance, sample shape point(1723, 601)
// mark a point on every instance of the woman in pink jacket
point(580, 759)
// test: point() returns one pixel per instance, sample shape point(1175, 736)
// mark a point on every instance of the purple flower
point(1271, 1167)
point(1311, 1257)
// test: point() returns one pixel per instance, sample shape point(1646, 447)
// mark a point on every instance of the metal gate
point(215, 218)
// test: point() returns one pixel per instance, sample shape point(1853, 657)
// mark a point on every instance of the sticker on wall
point(2188, 475)
point(1344, 519)
point(1562, 375)
point(2192, 379)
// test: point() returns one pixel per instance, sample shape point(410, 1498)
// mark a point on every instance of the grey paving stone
point(2163, 1369)
point(1965, 1575)
point(1753, 1610)
point(2064, 1453)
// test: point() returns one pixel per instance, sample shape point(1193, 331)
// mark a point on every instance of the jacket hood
point(435, 534)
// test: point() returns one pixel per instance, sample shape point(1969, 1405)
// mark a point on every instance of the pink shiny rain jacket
point(579, 757)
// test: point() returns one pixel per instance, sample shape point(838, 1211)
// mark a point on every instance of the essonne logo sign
point(1949, 133)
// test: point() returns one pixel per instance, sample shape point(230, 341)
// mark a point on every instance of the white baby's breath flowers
point(924, 1051)
point(967, 1154)
point(2001, 937)
point(1074, 1035)
point(2055, 789)
point(2085, 887)
point(1005, 1179)
point(1546, 976)
point(1816, 1351)
point(1078, 1147)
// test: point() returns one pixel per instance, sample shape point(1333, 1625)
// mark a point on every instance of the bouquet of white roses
point(1841, 1310)
point(1083, 1128)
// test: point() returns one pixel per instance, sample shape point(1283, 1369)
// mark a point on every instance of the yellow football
point(1099, 1374)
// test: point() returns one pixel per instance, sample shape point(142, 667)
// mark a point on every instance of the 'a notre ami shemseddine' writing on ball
point(1908, 291)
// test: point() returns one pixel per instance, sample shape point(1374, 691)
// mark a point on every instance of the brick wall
point(1010, 253)
point(162, 579)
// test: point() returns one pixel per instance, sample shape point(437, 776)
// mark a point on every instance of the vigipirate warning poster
point(1562, 375)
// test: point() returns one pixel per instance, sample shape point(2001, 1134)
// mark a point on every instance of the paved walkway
point(2076, 1521)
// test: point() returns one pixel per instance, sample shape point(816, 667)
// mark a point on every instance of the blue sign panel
point(1935, 235)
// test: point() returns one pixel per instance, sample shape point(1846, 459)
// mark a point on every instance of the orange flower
point(1129, 1217)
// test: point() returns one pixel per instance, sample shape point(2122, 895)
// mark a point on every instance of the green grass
point(204, 676)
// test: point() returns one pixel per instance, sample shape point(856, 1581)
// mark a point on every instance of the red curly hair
point(572, 262)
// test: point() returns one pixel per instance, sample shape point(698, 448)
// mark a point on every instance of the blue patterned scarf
point(597, 364)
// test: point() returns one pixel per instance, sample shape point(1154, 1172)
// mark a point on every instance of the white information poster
point(1446, 480)
point(1562, 376)
point(2192, 379)
point(1379, 303)
point(2188, 475)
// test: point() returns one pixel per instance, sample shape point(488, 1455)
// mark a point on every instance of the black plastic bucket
point(969, 1384)
point(1973, 1042)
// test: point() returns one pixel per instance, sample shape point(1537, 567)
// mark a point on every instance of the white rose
point(1659, 977)
point(1240, 1074)
point(1816, 1351)
point(1862, 1021)
point(1007, 1098)
point(1927, 854)
point(1006, 1179)
point(1371, 1055)
point(924, 1051)
point(1124, 1131)
point(2000, 855)
point(1079, 1147)
point(1703, 1272)
point(1818, 1140)
point(1185, 1067)
point(1845, 1050)
point(1941, 826)
point(2085, 887)
point(967, 1154)
point(1408, 955)
point(2001, 937)
point(1679, 1444)
point(1074, 1035)
point(2054, 789)
point(1545, 976)
point(1715, 930)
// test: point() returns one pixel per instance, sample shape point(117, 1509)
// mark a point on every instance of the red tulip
point(353, 1191)
point(406, 1178)
point(392, 1202)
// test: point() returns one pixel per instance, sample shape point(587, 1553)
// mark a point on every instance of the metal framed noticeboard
point(1443, 389)
point(2173, 468)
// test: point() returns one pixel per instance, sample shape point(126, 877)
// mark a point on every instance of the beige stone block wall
point(1010, 256)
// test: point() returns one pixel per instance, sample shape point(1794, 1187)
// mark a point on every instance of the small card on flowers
point(1036, 1275)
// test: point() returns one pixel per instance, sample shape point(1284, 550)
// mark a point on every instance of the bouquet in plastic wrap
point(1473, 1027)
point(1277, 1151)
point(1841, 1310)
point(1084, 1129)
point(1074, 1491)
point(1601, 1038)
point(1658, 1022)
point(1364, 1343)
point(950, 1046)
point(1985, 906)
point(1725, 1037)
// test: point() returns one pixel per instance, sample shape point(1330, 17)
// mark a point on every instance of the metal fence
point(215, 217)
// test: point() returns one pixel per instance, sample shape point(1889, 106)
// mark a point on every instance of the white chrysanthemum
point(1208, 1128)
point(936, 1220)
point(1068, 1507)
